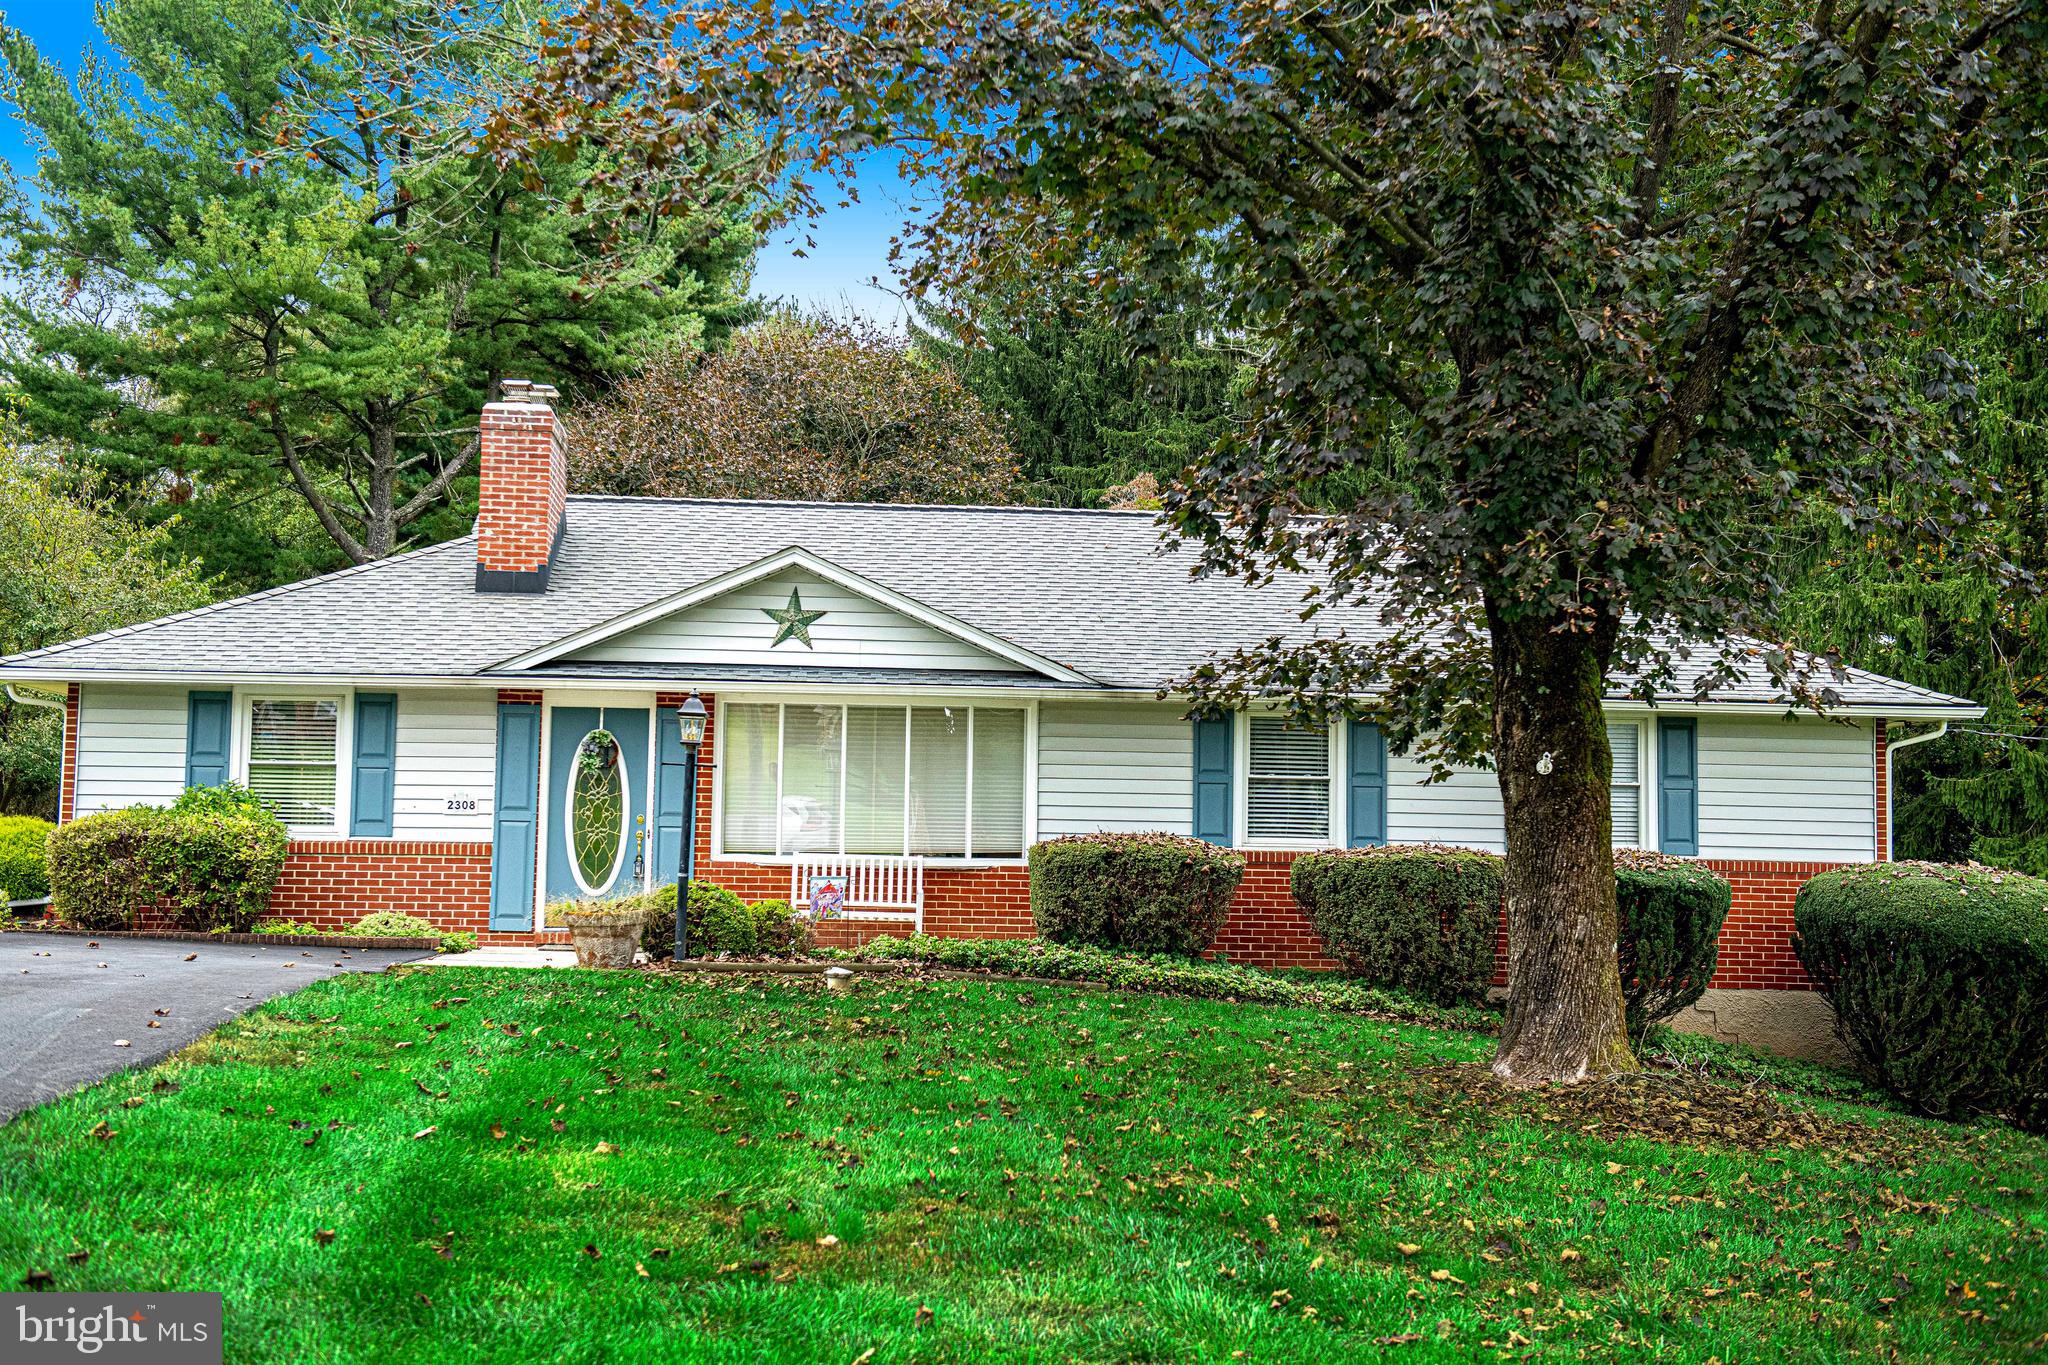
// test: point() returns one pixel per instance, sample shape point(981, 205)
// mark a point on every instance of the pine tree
point(1933, 611)
point(266, 261)
point(1084, 408)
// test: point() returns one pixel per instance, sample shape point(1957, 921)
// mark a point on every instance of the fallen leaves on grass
point(1663, 1108)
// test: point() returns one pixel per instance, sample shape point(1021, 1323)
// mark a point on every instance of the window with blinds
point(1626, 784)
point(943, 781)
point(292, 759)
point(1287, 783)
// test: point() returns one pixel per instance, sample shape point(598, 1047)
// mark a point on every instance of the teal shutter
point(370, 795)
point(209, 728)
point(670, 797)
point(515, 830)
point(1367, 805)
point(1678, 787)
point(1213, 780)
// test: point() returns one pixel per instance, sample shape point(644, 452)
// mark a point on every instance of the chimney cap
point(526, 391)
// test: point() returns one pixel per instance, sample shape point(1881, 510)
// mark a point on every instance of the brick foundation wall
point(332, 883)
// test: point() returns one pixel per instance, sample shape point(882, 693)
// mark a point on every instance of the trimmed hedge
point(24, 866)
point(209, 862)
point(99, 868)
point(1672, 910)
point(720, 922)
point(1146, 893)
point(1939, 976)
point(1419, 918)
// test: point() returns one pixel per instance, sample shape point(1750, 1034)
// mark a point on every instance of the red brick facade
point(334, 882)
point(67, 774)
point(522, 484)
point(1884, 794)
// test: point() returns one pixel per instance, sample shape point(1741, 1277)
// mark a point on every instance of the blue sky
point(852, 243)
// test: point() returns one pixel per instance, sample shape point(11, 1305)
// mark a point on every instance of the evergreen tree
point(1084, 408)
point(265, 254)
point(1932, 612)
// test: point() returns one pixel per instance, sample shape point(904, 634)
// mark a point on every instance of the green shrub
point(206, 866)
point(708, 902)
point(215, 864)
point(1939, 976)
point(1146, 893)
point(296, 928)
point(1419, 918)
point(100, 875)
point(779, 931)
point(458, 941)
point(24, 864)
point(1671, 911)
point(394, 924)
point(229, 798)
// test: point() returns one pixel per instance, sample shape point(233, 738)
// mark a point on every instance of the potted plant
point(604, 935)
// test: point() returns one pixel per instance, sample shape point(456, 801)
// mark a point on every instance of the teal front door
point(597, 808)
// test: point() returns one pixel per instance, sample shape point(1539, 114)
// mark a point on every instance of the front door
point(597, 786)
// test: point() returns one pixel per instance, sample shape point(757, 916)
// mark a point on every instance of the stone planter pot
point(605, 938)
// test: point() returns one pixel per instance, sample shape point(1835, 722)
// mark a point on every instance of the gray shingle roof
point(1090, 590)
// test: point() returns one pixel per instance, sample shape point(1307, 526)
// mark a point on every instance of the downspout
point(1891, 747)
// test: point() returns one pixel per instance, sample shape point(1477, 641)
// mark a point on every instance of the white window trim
point(1028, 705)
point(344, 699)
point(1646, 834)
point(1338, 739)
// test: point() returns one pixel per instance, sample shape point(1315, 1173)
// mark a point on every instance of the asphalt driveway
point(64, 1005)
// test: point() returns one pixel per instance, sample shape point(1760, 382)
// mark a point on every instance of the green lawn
point(453, 1165)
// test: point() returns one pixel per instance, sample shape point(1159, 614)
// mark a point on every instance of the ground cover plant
point(462, 1165)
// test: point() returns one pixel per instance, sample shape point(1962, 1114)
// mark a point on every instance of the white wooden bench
point(878, 885)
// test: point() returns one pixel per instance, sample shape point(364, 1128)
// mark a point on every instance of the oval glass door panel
point(595, 814)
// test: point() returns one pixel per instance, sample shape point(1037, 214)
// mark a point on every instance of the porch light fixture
point(690, 721)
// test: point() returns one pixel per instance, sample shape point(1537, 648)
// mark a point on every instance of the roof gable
point(793, 609)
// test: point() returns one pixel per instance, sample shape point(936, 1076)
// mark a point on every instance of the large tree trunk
point(1564, 987)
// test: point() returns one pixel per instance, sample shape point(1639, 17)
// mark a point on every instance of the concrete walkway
point(73, 1011)
point(506, 956)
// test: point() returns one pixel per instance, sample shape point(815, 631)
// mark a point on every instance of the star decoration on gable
point(794, 621)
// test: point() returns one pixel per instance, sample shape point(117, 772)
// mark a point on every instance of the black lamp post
point(690, 720)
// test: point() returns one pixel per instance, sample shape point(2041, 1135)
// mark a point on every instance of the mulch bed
point(268, 940)
point(1678, 1109)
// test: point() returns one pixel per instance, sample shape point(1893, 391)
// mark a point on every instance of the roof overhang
point(794, 557)
point(680, 679)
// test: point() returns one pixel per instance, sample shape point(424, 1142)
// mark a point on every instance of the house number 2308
point(461, 801)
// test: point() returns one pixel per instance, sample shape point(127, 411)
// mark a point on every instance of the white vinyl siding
point(1126, 767)
point(1626, 785)
point(131, 746)
point(445, 773)
point(1287, 783)
point(854, 632)
point(1787, 789)
point(1464, 809)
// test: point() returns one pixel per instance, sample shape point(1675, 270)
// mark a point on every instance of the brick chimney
point(524, 482)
